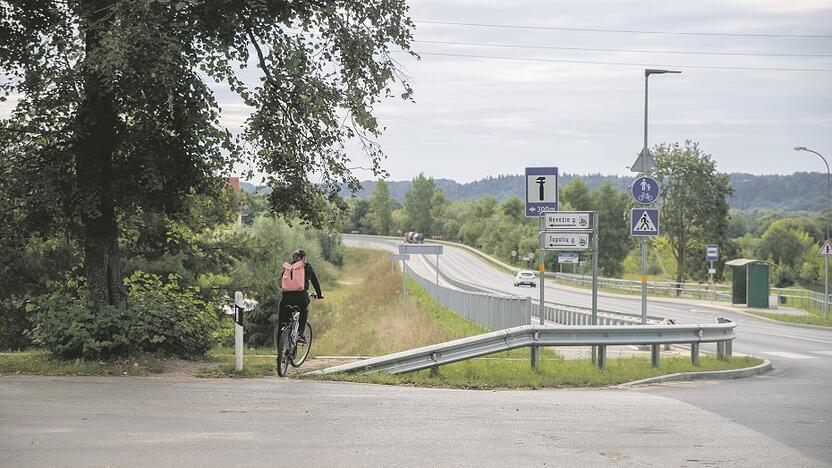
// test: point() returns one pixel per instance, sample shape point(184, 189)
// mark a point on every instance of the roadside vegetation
point(813, 318)
point(41, 362)
point(498, 371)
point(362, 316)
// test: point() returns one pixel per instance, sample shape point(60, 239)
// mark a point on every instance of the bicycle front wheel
point(302, 349)
point(283, 352)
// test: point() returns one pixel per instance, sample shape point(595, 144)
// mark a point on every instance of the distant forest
point(801, 191)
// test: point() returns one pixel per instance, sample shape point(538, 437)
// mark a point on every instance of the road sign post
point(711, 255)
point(416, 249)
point(570, 231)
point(423, 249)
point(826, 251)
point(644, 223)
point(541, 190)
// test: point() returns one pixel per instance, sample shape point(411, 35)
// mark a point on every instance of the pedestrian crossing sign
point(644, 222)
point(825, 249)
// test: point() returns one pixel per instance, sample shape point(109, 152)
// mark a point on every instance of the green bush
point(784, 276)
point(161, 317)
point(15, 321)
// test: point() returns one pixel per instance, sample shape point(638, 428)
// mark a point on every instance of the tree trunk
point(95, 144)
point(680, 266)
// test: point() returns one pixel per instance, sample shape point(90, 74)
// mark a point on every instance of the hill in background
point(801, 191)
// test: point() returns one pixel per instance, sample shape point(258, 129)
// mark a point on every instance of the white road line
point(781, 335)
point(825, 353)
point(784, 354)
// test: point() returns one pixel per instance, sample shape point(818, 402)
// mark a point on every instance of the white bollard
point(238, 330)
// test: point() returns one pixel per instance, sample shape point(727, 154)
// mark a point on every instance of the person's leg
point(283, 315)
point(304, 314)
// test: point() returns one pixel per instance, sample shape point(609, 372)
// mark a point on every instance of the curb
point(716, 375)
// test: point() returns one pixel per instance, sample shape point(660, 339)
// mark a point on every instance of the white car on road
point(525, 277)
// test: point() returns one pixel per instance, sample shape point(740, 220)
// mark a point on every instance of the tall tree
point(576, 193)
point(614, 233)
point(116, 113)
point(694, 211)
point(417, 204)
point(360, 216)
point(786, 242)
point(439, 205)
point(381, 208)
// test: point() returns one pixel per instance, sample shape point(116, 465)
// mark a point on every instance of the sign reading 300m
point(541, 190)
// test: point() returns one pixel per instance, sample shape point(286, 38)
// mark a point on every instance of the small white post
point(238, 331)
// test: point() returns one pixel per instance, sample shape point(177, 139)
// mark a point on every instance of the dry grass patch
point(366, 318)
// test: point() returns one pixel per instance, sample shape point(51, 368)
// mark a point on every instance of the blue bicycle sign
point(645, 190)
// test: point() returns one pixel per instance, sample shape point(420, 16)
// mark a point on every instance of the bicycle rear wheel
point(282, 352)
point(302, 349)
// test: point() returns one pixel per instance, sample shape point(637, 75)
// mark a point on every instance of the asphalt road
point(780, 419)
point(154, 421)
point(792, 404)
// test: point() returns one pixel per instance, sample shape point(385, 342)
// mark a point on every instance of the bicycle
point(289, 350)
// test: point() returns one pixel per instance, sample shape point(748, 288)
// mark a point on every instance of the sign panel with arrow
point(541, 190)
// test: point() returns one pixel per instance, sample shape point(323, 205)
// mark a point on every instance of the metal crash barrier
point(436, 355)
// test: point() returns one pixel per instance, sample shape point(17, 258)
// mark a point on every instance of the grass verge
point(258, 362)
point(364, 316)
point(811, 319)
point(41, 362)
point(497, 372)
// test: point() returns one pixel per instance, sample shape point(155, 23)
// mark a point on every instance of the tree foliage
point(576, 194)
point(694, 211)
point(417, 205)
point(614, 239)
point(116, 113)
point(381, 209)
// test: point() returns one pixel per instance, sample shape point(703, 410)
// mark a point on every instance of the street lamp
point(825, 257)
point(645, 155)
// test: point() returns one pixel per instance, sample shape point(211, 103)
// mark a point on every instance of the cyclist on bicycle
point(300, 298)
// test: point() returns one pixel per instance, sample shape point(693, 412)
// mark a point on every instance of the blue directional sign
point(644, 222)
point(645, 190)
point(541, 190)
point(711, 252)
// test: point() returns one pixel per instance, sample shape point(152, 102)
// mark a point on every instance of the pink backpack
point(293, 276)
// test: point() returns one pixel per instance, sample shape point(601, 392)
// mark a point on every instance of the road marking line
point(788, 355)
point(825, 353)
point(792, 336)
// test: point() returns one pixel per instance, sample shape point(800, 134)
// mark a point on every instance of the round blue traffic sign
point(645, 190)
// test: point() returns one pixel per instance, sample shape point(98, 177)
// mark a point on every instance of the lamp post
point(645, 154)
point(825, 257)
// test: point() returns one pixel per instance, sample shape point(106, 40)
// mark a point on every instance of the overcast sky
point(479, 117)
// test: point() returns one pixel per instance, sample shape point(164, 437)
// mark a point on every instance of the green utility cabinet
point(750, 282)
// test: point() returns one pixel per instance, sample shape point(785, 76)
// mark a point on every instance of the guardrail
point(698, 291)
point(437, 355)
point(566, 314)
point(498, 311)
point(802, 298)
point(495, 311)
point(491, 311)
